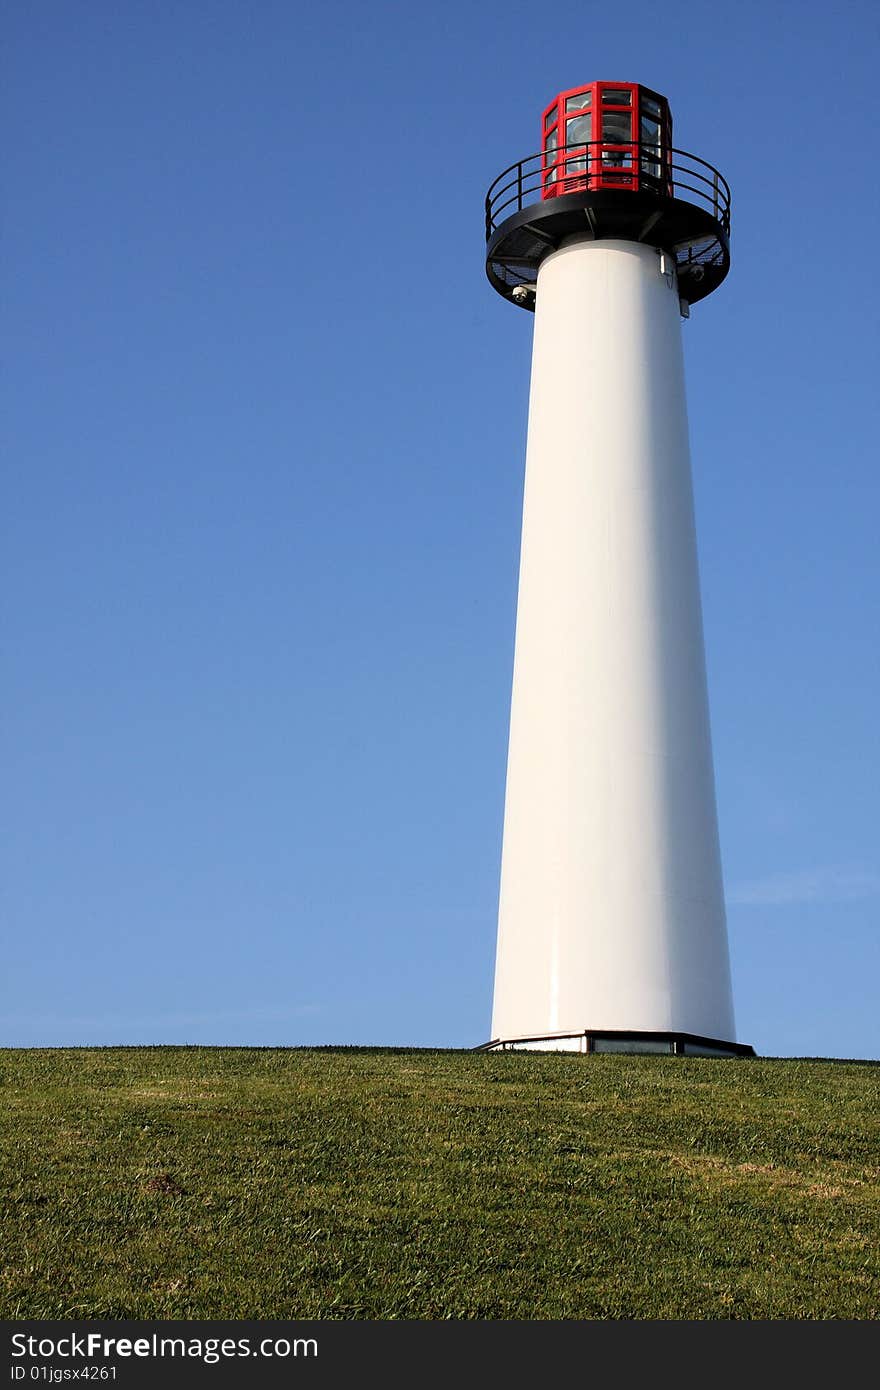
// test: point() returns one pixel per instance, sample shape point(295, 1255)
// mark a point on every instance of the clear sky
point(264, 441)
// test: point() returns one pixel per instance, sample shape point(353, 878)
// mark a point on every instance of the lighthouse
point(612, 934)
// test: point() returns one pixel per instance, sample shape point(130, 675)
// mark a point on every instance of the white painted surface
point(611, 910)
point(575, 1044)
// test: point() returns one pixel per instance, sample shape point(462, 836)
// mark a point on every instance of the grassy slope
point(204, 1183)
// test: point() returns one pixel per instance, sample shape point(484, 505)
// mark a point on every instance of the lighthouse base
point(669, 1044)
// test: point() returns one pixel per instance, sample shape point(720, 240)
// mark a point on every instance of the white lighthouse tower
point(611, 932)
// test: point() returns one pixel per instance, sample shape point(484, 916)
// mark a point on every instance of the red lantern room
point(605, 135)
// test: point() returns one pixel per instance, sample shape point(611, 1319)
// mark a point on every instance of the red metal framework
point(605, 135)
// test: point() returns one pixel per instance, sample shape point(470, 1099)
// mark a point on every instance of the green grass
point(347, 1183)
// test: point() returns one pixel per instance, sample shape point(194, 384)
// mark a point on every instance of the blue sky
point(264, 440)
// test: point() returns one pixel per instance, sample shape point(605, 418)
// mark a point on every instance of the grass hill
point(377, 1183)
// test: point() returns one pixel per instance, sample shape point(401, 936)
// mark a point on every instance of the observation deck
point(631, 184)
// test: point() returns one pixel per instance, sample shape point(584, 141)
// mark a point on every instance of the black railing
point(664, 172)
